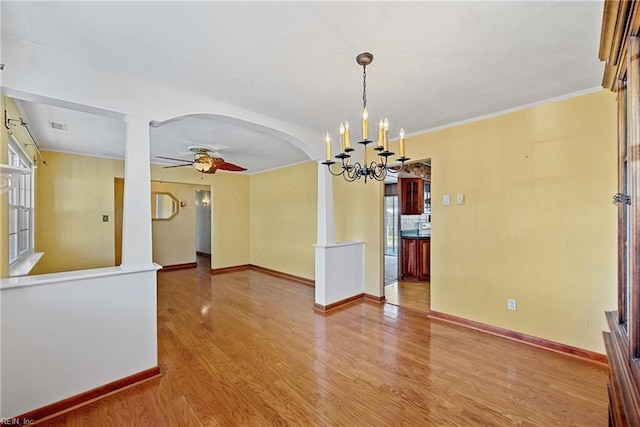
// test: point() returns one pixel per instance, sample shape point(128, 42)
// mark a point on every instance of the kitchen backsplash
point(413, 222)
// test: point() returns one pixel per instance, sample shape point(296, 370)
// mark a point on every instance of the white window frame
point(21, 199)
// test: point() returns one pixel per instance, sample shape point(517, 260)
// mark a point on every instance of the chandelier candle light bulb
point(328, 141)
point(341, 129)
point(365, 124)
point(385, 127)
point(402, 142)
point(381, 133)
point(347, 140)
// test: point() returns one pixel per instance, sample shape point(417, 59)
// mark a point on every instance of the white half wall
point(67, 333)
point(339, 272)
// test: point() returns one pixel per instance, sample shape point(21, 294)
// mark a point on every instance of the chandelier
point(376, 169)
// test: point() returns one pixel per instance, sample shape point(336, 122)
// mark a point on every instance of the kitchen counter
point(415, 234)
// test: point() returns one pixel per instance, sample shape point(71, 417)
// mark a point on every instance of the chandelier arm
point(350, 178)
point(345, 163)
point(383, 161)
point(354, 172)
point(336, 174)
point(379, 171)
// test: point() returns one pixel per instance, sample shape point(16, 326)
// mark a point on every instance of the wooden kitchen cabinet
point(424, 258)
point(416, 259)
point(409, 258)
point(412, 196)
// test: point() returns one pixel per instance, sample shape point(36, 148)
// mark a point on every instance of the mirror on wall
point(163, 206)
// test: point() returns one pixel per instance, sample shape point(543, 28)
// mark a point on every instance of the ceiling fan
point(205, 160)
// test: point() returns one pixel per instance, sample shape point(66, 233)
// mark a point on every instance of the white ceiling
point(436, 63)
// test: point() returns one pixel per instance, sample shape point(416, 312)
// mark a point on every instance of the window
point(20, 206)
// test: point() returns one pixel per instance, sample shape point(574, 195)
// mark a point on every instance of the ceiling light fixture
point(202, 162)
point(375, 170)
point(202, 165)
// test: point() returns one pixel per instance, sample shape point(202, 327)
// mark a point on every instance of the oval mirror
point(163, 206)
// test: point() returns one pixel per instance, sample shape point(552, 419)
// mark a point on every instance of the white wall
point(67, 333)
point(339, 272)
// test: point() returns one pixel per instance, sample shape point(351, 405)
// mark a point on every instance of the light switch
point(445, 200)
point(461, 199)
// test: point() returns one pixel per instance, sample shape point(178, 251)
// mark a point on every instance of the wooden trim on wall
point(520, 337)
point(622, 207)
point(179, 266)
point(624, 397)
point(82, 399)
point(275, 273)
point(374, 298)
point(231, 269)
point(619, 20)
point(325, 308)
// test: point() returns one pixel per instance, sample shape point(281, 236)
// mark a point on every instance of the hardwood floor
point(413, 295)
point(245, 348)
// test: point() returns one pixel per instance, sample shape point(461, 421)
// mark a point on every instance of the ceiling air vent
point(58, 126)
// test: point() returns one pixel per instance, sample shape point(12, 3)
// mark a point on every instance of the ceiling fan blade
point(171, 158)
point(176, 166)
point(230, 167)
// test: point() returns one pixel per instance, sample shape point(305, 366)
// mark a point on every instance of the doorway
point(407, 237)
point(391, 233)
point(203, 226)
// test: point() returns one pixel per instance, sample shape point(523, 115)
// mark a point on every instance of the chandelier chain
point(364, 86)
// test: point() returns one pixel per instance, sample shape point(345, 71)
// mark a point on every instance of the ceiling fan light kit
point(375, 170)
point(205, 162)
point(201, 166)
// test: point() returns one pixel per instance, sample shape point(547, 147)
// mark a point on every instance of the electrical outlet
point(511, 304)
point(105, 218)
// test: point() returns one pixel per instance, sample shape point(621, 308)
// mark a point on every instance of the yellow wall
point(229, 211)
point(73, 192)
point(174, 240)
point(537, 224)
point(283, 219)
point(118, 214)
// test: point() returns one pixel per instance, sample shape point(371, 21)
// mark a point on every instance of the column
point(339, 266)
point(136, 220)
point(326, 228)
point(326, 232)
